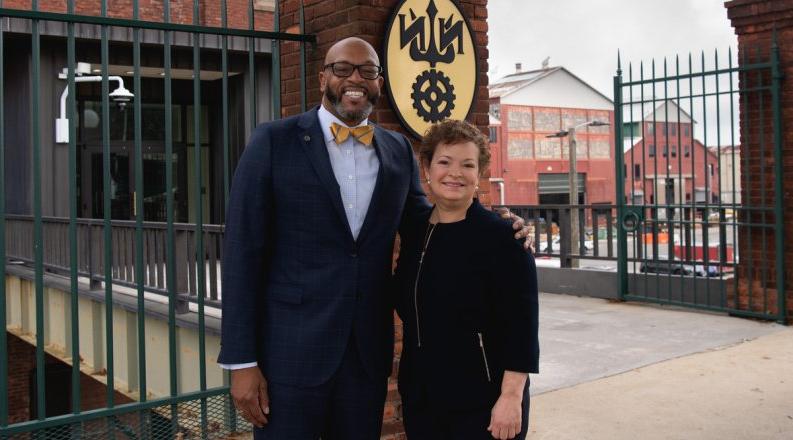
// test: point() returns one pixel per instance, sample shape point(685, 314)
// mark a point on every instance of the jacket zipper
point(484, 355)
point(427, 237)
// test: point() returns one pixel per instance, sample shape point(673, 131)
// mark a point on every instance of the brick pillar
point(368, 19)
point(754, 22)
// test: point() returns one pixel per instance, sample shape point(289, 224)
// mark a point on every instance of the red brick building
point(664, 164)
point(528, 167)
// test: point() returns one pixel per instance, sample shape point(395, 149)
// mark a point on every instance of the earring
point(428, 181)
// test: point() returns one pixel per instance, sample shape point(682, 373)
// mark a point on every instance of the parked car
point(676, 267)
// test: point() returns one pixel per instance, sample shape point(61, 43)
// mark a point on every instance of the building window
point(666, 150)
point(688, 150)
point(493, 135)
point(711, 169)
point(652, 199)
point(650, 128)
point(688, 197)
point(625, 171)
point(637, 171)
point(686, 130)
point(674, 150)
point(651, 150)
point(672, 129)
point(495, 110)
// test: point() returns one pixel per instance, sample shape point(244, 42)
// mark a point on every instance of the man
point(307, 321)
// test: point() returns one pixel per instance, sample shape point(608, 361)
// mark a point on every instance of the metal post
point(622, 239)
point(573, 177)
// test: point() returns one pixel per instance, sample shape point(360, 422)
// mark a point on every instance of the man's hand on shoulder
point(249, 391)
point(523, 230)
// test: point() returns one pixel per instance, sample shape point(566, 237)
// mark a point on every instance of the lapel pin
point(306, 138)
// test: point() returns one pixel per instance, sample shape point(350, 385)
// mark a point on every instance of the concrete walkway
point(630, 371)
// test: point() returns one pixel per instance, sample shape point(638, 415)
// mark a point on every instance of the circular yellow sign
point(430, 63)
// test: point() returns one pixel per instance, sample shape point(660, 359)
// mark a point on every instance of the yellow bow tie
point(363, 134)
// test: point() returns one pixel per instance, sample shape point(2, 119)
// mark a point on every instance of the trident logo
point(433, 92)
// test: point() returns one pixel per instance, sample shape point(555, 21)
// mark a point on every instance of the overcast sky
point(584, 35)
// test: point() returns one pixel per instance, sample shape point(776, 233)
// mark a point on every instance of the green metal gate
point(699, 186)
point(208, 412)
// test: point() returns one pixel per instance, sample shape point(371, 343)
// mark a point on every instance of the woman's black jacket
point(469, 309)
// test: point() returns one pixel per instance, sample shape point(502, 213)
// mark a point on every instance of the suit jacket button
point(354, 254)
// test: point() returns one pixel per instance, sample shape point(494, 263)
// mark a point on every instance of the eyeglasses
point(344, 70)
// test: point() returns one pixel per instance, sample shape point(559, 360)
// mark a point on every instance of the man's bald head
point(350, 43)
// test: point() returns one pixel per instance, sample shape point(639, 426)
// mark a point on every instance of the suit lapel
point(383, 150)
point(313, 142)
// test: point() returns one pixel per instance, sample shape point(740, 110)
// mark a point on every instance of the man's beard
point(349, 115)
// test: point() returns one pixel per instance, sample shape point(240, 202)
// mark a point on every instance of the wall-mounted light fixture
point(120, 95)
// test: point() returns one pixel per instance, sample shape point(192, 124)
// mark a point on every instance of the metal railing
point(690, 163)
point(173, 258)
point(154, 267)
point(662, 242)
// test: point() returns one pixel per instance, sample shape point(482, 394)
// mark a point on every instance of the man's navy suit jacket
point(296, 284)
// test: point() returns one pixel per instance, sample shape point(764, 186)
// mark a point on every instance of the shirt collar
point(326, 118)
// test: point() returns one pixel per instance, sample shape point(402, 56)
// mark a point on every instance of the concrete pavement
point(633, 371)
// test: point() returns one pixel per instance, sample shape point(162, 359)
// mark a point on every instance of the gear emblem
point(433, 96)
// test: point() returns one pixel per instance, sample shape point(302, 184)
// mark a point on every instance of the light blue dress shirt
point(355, 166)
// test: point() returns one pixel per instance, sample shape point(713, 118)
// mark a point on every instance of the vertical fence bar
point(692, 220)
point(252, 66)
point(199, 214)
point(73, 262)
point(633, 150)
point(641, 246)
point(170, 248)
point(655, 181)
point(746, 214)
point(705, 227)
point(3, 341)
point(667, 203)
point(705, 220)
point(38, 245)
point(779, 205)
point(140, 268)
point(735, 182)
point(761, 137)
point(622, 243)
point(224, 53)
point(275, 63)
point(720, 208)
point(681, 180)
point(302, 60)
point(108, 231)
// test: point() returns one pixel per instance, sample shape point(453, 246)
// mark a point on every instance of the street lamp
point(573, 179)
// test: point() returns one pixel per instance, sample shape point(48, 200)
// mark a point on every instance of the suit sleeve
point(516, 303)
point(416, 203)
point(248, 233)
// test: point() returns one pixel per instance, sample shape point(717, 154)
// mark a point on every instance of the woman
point(467, 296)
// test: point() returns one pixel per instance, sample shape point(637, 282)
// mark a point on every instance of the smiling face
point(453, 173)
point(351, 99)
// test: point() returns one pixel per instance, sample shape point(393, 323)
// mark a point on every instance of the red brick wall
point(331, 21)
point(754, 22)
point(22, 361)
point(152, 10)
